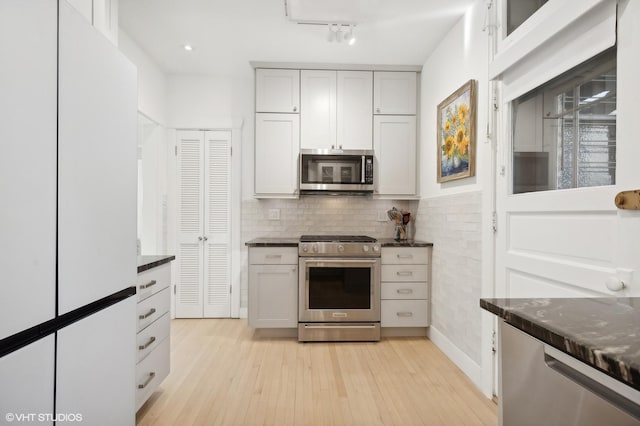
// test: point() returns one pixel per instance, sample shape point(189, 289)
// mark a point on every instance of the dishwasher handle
point(607, 388)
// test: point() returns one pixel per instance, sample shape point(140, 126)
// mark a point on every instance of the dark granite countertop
point(148, 262)
point(602, 332)
point(390, 242)
point(273, 242)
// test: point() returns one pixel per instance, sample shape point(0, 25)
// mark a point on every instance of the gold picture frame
point(456, 125)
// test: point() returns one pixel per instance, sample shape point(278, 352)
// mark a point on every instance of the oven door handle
point(333, 327)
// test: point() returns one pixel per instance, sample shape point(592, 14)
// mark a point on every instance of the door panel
point(97, 170)
point(355, 109)
point(28, 163)
point(318, 109)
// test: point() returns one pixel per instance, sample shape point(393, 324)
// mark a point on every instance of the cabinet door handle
point(205, 238)
point(295, 109)
point(146, 382)
point(148, 314)
point(146, 345)
point(273, 256)
point(404, 291)
point(377, 109)
point(199, 238)
point(404, 314)
point(404, 273)
point(149, 284)
point(405, 256)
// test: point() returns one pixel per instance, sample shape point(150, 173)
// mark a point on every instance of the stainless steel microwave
point(336, 170)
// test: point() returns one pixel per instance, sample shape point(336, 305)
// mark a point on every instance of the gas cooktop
point(336, 239)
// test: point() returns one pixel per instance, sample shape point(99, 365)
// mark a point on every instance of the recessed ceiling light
point(188, 47)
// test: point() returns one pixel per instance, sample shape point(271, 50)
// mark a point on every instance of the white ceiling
point(226, 35)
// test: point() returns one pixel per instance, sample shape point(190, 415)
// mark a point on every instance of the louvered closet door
point(217, 224)
point(189, 300)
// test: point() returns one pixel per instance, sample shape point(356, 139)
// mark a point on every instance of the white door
point(572, 242)
point(204, 224)
point(394, 143)
point(394, 92)
point(276, 155)
point(278, 90)
point(318, 115)
point(97, 170)
point(355, 109)
point(28, 106)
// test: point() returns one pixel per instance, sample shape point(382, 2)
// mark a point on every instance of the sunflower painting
point(456, 134)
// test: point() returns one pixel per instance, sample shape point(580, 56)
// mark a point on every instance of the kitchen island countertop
point(602, 332)
point(148, 262)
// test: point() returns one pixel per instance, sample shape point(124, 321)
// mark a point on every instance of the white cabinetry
point(405, 276)
point(394, 144)
point(96, 354)
point(204, 224)
point(27, 380)
point(97, 167)
point(277, 90)
point(273, 287)
point(336, 109)
point(153, 329)
point(276, 155)
point(394, 92)
point(102, 14)
point(28, 105)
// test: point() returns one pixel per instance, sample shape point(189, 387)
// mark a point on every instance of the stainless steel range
point(339, 288)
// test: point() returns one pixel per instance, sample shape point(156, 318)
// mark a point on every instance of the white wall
point(458, 213)
point(151, 80)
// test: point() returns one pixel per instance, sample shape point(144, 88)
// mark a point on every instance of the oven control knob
point(340, 248)
point(365, 248)
point(376, 248)
point(305, 248)
point(315, 248)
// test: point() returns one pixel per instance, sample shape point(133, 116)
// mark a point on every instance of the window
point(564, 132)
point(519, 11)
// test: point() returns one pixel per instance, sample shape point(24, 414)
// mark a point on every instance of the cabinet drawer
point(403, 291)
point(152, 308)
point(151, 372)
point(404, 313)
point(405, 255)
point(153, 280)
point(149, 338)
point(273, 256)
point(404, 273)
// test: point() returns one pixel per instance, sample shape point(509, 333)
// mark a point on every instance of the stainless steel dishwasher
point(540, 385)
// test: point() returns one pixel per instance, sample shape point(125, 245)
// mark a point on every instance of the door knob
point(615, 284)
point(205, 238)
point(199, 238)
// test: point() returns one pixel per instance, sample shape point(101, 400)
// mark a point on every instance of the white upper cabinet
point(97, 170)
point(277, 90)
point(394, 93)
point(276, 155)
point(336, 109)
point(28, 108)
point(394, 143)
point(102, 14)
point(318, 116)
point(355, 105)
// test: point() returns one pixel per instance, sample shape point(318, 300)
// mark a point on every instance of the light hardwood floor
point(222, 374)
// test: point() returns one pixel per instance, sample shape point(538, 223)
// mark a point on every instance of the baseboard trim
point(459, 358)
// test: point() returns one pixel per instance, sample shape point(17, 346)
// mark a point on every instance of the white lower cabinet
point(405, 286)
point(273, 287)
point(26, 381)
point(152, 340)
point(95, 356)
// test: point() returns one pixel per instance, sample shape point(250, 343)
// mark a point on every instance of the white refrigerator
point(68, 219)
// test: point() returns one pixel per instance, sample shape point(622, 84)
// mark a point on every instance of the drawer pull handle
point(146, 382)
point(148, 314)
point(146, 345)
point(404, 314)
point(149, 284)
point(405, 256)
point(404, 273)
point(405, 291)
point(273, 256)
